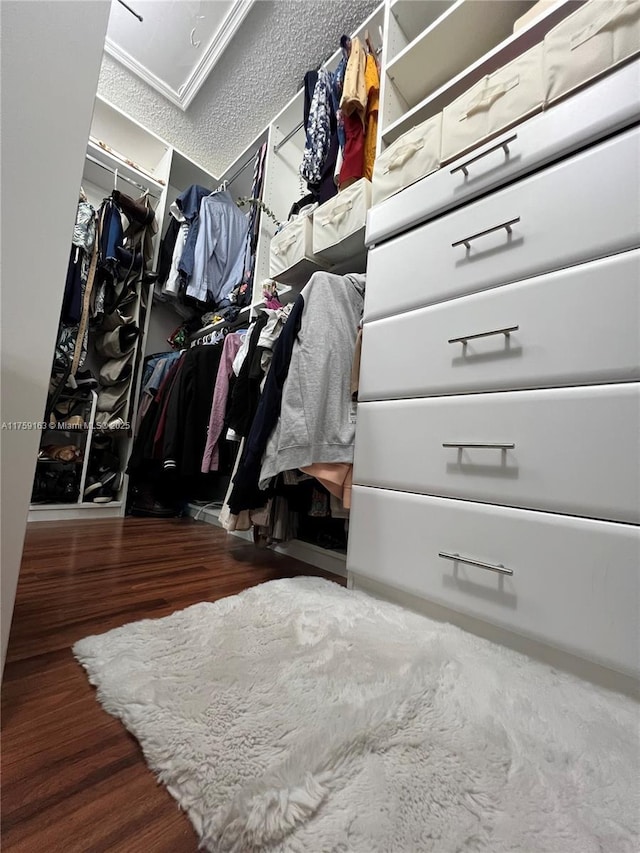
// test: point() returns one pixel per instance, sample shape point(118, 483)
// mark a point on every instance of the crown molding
point(187, 92)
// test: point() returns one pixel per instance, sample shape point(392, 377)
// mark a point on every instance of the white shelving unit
point(79, 508)
point(426, 69)
point(143, 161)
point(473, 26)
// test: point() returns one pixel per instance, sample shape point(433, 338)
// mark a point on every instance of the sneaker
point(103, 489)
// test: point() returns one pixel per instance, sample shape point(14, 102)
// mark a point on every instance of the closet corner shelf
point(500, 54)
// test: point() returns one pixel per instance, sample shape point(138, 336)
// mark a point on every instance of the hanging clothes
point(354, 91)
point(211, 455)
point(188, 410)
point(171, 286)
point(318, 129)
point(155, 370)
point(246, 391)
point(143, 448)
point(167, 247)
point(336, 94)
point(188, 203)
point(353, 158)
point(71, 344)
point(315, 423)
point(269, 336)
point(245, 291)
point(219, 251)
point(372, 81)
point(246, 493)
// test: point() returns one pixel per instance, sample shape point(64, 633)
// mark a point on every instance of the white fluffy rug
point(302, 717)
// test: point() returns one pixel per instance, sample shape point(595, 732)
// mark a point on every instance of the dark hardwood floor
point(73, 779)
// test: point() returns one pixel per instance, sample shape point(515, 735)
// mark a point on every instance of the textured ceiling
point(261, 70)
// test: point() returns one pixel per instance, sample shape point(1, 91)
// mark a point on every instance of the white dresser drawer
point(576, 450)
point(591, 114)
point(574, 583)
point(575, 326)
point(579, 209)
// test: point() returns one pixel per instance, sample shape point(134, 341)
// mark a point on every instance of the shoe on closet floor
point(146, 507)
point(103, 488)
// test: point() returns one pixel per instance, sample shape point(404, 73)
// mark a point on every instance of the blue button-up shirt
point(219, 251)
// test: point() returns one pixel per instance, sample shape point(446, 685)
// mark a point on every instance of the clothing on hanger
point(219, 251)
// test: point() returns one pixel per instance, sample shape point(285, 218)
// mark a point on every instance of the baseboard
point(74, 512)
point(557, 658)
point(320, 558)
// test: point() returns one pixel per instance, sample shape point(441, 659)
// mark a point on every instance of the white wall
point(51, 53)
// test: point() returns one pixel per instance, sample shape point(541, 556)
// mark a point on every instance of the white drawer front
point(575, 582)
point(590, 114)
point(580, 209)
point(572, 327)
point(576, 450)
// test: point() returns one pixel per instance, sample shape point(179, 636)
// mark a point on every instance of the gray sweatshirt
point(315, 423)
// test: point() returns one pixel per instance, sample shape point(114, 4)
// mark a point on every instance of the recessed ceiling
point(177, 43)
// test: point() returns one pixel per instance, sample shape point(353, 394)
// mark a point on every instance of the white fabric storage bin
point(412, 156)
point(586, 44)
point(497, 101)
point(339, 224)
point(291, 257)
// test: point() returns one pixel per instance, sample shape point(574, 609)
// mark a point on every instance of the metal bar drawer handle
point(494, 446)
point(504, 145)
point(466, 241)
point(464, 338)
point(501, 570)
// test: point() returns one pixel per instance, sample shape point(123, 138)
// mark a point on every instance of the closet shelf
point(414, 17)
point(101, 178)
point(473, 26)
point(496, 57)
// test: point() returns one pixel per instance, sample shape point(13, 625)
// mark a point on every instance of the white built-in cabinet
point(497, 461)
point(435, 50)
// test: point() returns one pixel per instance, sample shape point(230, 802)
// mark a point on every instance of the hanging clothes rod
point(240, 170)
point(289, 136)
point(129, 9)
point(120, 175)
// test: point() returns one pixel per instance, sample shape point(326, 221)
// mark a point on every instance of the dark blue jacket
point(189, 204)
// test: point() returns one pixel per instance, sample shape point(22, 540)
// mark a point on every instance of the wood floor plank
point(73, 779)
